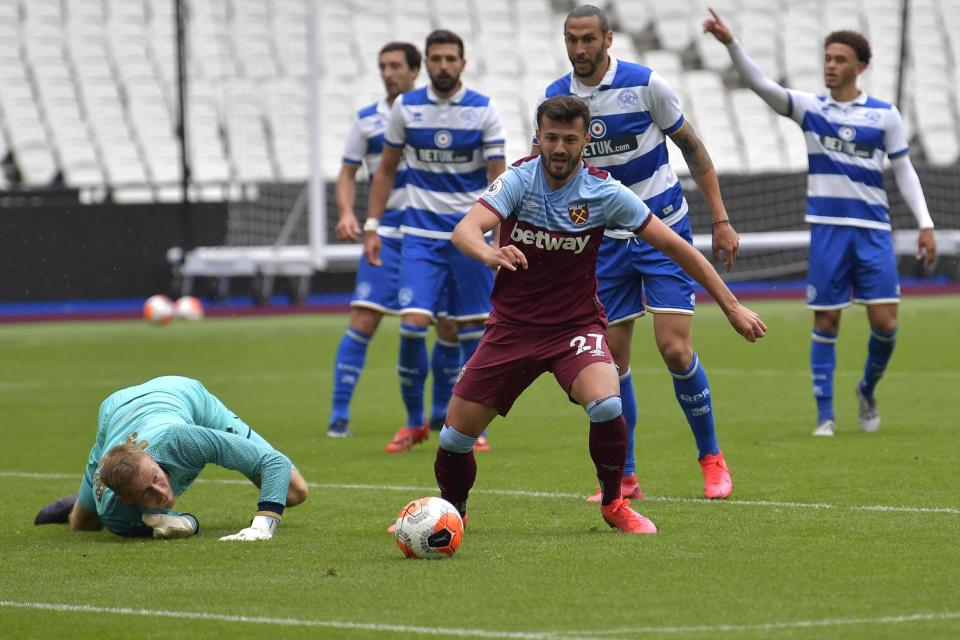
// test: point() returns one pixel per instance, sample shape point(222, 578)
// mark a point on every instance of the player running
point(546, 315)
point(633, 110)
point(452, 140)
point(848, 134)
point(152, 442)
point(376, 289)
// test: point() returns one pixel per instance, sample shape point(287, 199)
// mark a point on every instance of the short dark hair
point(587, 10)
point(411, 52)
point(564, 109)
point(442, 36)
point(852, 39)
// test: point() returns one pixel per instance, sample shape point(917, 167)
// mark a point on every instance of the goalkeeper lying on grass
point(152, 442)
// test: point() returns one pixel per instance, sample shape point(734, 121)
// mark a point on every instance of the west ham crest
point(579, 213)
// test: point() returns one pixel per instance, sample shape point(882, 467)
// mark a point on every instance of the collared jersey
point(447, 143)
point(846, 146)
point(559, 232)
point(364, 145)
point(632, 110)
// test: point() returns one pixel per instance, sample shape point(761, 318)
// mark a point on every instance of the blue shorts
point(634, 277)
point(432, 270)
point(850, 264)
point(377, 287)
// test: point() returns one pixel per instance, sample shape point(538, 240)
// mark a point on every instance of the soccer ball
point(158, 310)
point(429, 528)
point(188, 308)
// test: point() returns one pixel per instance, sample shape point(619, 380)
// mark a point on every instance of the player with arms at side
point(852, 259)
point(376, 289)
point(546, 315)
point(633, 110)
point(152, 442)
point(452, 140)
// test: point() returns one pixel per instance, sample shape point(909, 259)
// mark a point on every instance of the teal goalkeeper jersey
point(183, 427)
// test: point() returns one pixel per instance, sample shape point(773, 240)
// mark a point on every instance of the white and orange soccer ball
point(188, 308)
point(429, 528)
point(158, 310)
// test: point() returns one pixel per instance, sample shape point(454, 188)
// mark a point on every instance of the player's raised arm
point(746, 322)
point(772, 93)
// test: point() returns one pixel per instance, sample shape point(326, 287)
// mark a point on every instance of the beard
point(569, 164)
point(592, 65)
point(444, 83)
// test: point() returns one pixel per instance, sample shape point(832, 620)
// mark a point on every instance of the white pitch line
point(878, 508)
point(405, 630)
point(775, 626)
point(606, 634)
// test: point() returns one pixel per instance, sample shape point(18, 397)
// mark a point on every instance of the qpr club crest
point(443, 139)
point(628, 99)
point(579, 213)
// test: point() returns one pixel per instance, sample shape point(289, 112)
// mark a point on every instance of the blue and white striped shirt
point(364, 145)
point(632, 110)
point(846, 145)
point(447, 143)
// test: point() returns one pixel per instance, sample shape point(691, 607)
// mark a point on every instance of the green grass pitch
point(854, 537)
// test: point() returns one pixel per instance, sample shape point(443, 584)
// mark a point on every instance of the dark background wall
point(78, 251)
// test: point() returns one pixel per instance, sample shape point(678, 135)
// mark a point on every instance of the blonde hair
point(120, 468)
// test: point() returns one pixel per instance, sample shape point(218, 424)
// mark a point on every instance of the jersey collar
point(859, 101)
point(454, 99)
point(577, 88)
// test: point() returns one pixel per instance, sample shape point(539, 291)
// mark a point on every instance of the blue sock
point(879, 349)
point(445, 365)
point(469, 338)
point(823, 360)
point(693, 394)
point(629, 400)
point(412, 369)
point(347, 367)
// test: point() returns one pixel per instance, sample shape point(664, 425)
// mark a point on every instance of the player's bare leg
point(456, 466)
point(674, 336)
point(348, 364)
point(883, 334)
point(83, 520)
point(823, 362)
point(597, 389)
point(412, 371)
point(619, 339)
point(469, 334)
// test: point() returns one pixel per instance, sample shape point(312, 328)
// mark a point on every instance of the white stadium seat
point(88, 84)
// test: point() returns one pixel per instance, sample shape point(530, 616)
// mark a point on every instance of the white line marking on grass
point(406, 630)
point(773, 626)
point(606, 634)
point(879, 508)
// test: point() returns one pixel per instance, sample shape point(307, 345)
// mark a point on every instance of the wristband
point(371, 224)
point(727, 221)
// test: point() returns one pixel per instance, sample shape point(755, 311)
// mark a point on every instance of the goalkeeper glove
point(169, 526)
point(262, 528)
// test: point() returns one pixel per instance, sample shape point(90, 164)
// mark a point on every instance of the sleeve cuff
point(274, 508)
point(897, 154)
point(675, 126)
point(491, 208)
